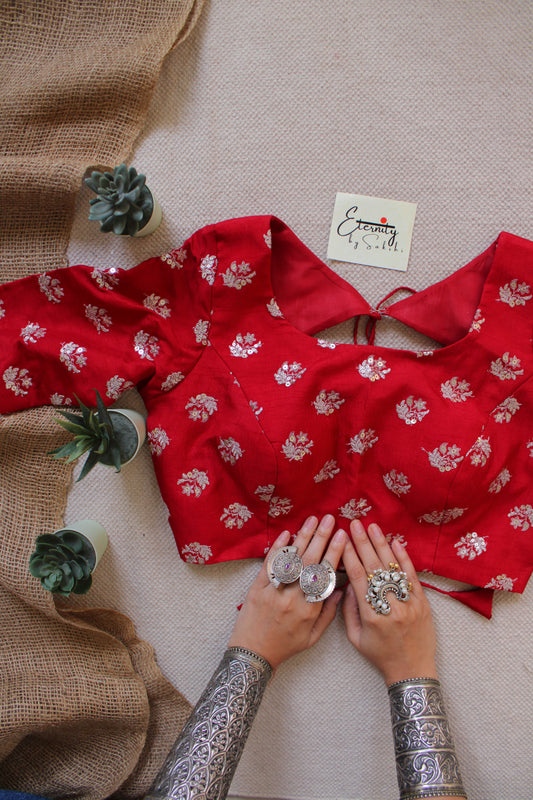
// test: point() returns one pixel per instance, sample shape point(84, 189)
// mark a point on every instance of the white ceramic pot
point(94, 532)
point(153, 222)
point(138, 422)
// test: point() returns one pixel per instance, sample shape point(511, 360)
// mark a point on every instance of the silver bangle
point(205, 756)
point(426, 763)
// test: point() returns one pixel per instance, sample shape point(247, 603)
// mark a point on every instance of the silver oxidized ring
point(382, 581)
point(284, 565)
point(317, 581)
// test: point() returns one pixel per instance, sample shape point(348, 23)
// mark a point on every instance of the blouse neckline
point(483, 269)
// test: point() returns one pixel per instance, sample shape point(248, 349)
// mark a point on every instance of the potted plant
point(65, 560)
point(111, 436)
point(123, 203)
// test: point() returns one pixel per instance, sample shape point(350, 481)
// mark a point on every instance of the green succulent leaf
point(119, 224)
point(114, 452)
point(123, 202)
point(63, 562)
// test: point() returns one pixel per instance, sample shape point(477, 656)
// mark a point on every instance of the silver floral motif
point(32, 332)
point(196, 553)
point(160, 305)
point(354, 509)
point(193, 482)
point(471, 545)
point(268, 238)
point(506, 410)
point(99, 318)
point(412, 411)
point(363, 441)
point(116, 386)
point(397, 482)
point(201, 407)
point(230, 450)
point(175, 258)
point(529, 446)
point(235, 515)
point(327, 345)
point(456, 390)
point(208, 269)
point(296, 446)
point(256, 408)
point(158, 439)
point(238, 275)
point(515, 293)
point(273, 308)
point(105, 278)
point(328, 471)
point(442, 517)
point(521, 517)
point(396, 537)
point(18, 380)
point(51, 288)
point(477, 322)
point(146, 345)
point(73, 356)
point(244, 345)
point(57, 399)
point(502, 582)
point(172, 380)
point(265, 492)
point(288, 374)
point(279, 506)
point(2, 309)
point(374, 368)
point(201, 331)
point(327, 402)
point(506, 368)
point(480, 451)
point(445, 457)
point(501, 480)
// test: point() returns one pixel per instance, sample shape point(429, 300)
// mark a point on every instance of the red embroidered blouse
point(253, 422)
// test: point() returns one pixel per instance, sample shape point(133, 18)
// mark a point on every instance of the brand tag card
point(371, 231)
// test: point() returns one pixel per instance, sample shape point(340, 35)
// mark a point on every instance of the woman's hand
point(278, 623)
point(401, 644)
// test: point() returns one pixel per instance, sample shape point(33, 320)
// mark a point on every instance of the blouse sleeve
point(71, 331)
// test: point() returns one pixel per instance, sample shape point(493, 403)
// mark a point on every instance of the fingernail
point(375, 531)
point(357, 527)
point(328, 519)
point(340, 536)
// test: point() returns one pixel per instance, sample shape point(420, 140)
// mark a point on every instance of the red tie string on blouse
point(378, 312)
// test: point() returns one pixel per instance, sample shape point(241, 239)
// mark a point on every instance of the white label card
point(371, 231)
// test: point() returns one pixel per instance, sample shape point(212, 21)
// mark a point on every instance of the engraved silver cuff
point(205, 756)
point(426, 763)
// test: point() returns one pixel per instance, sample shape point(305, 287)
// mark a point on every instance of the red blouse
point(253, 423)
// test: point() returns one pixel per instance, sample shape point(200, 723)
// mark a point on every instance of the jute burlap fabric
point(84, 710)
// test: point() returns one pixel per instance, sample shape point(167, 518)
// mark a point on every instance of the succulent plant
point(63, 562)
point(94, 433)
point(124, 204)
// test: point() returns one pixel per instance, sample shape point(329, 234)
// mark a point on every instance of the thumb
point(351, 614)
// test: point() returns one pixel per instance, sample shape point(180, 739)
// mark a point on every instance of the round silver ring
point(382, 581)
point(284, 565)
point(317, 581)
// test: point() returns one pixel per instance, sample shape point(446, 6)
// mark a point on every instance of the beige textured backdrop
point(274, 107)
